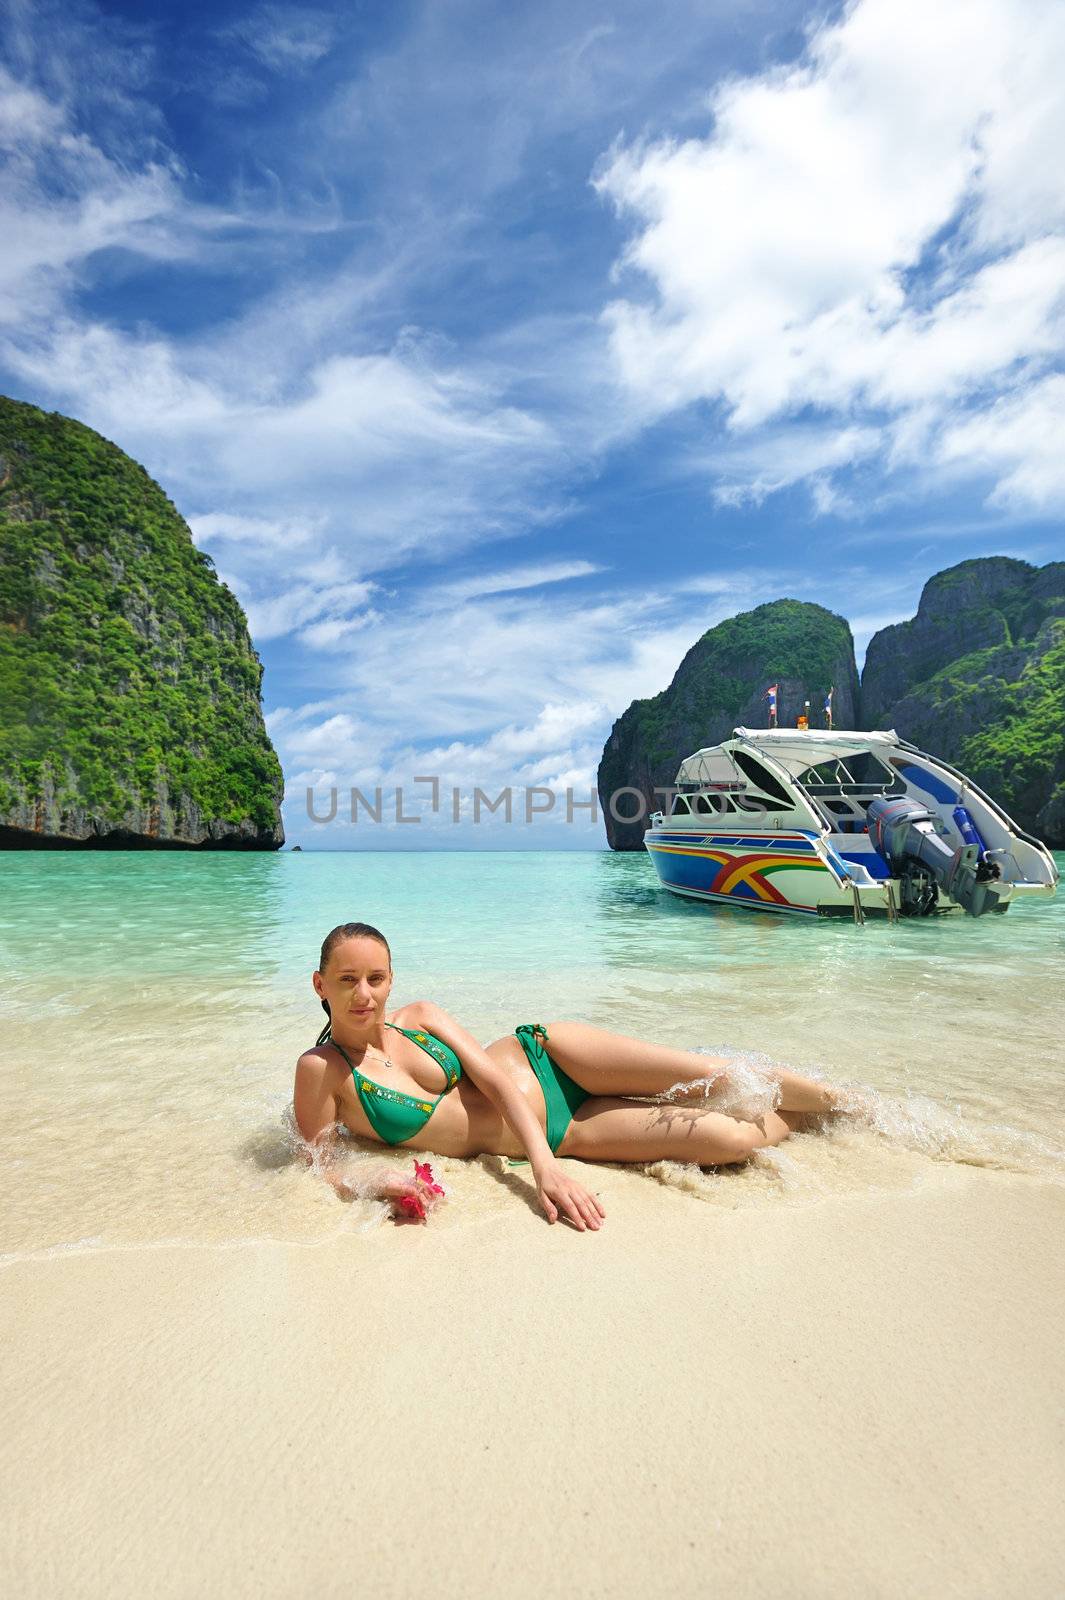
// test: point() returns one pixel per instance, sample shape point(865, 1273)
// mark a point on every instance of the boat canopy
point(794, 750)
point(711, 768)
point(797, 750)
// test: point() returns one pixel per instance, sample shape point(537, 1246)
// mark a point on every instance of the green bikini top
point(394, 1116)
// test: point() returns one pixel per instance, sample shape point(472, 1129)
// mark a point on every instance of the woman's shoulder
point(417, 1014)
point(318, 1061)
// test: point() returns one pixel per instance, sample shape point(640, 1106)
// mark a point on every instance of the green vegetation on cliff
point(978, 677)
point(128, 684)
point(785, 641)
point(721, 684)
point(1032, 729)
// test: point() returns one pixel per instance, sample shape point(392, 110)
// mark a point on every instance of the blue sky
point(494, 353)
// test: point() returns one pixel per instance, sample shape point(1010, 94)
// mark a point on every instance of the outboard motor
point(904, 833)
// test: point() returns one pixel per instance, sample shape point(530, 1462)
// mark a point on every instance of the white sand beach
point(857, 1396)
point(834, 1372)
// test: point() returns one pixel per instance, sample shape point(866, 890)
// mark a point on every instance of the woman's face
point(356, 981)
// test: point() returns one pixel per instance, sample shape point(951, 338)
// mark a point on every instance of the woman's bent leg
point(609, 1129)
point(612, 1063)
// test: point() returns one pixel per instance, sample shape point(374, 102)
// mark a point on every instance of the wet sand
point(857, 1396)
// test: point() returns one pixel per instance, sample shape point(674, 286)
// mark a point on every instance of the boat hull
point(793, 872)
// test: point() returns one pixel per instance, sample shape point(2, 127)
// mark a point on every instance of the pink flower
point(413, 1205)
point(423, 1173)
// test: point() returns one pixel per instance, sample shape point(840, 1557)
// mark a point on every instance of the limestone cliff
point(978, 677)
point(720, 685)
point(130, 712)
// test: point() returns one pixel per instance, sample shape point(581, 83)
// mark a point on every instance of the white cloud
point(554, 729)
point(362, 460)
point(286, 38)
point(530, 577)
point(62, 199)
point(736, 587)
point(1022, 439)
point(517, 689)
point(27, 117)
point(469, 667)
point(333, 630)
point(222, 527)
point(746, 469)
point(268, 618)
point(877, 229)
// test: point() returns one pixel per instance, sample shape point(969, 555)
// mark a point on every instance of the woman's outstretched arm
point(556, 1190)
point(317, 1113)
point(315, 1107)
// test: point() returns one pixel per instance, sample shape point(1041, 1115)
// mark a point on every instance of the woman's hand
point(410, 1198)
point(559, 1193)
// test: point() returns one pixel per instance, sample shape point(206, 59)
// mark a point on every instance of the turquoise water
point(153, 1008)
point(111, 914)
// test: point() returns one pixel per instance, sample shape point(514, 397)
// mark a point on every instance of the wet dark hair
point(335, 936)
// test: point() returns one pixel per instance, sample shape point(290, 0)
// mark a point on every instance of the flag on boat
point(771, 696)
point(828, 704)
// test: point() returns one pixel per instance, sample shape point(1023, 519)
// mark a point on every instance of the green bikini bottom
point(561, 1095)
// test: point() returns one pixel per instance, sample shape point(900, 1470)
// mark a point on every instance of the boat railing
point(857, 790)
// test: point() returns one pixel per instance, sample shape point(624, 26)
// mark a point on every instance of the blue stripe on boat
point(874, 864)
point(930, 782)
point(729, 841)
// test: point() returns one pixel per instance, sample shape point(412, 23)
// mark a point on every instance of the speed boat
point(825, 822)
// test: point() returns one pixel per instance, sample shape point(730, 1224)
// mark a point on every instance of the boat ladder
point(890, 903)
point(859, 909)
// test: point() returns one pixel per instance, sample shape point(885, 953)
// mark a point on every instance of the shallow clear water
point(153, 1007)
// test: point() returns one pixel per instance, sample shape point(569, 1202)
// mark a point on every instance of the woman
point(433, 1087)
